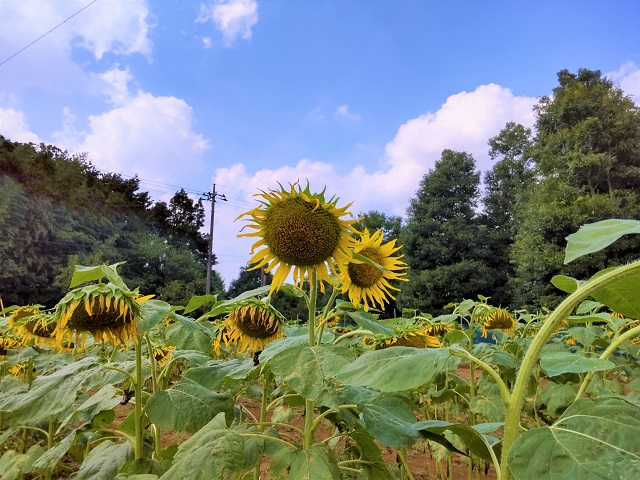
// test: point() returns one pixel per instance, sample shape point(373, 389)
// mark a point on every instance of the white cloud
point(628, 78)
point(234, 18)
point(118, 27)
point(14, 127)
point(206, 41)
point(150, 136)
point(343, 112)
point(115, 85)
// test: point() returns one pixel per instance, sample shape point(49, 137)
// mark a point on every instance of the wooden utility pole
point(211, 196)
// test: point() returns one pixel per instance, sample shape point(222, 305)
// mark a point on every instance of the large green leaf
point(218, 374)
point(564, 283)
point(594, 237)
point(14, 465)
point(622, 296)
point(557, 363)
point(594, 439)
point(390, 419)
point(104, 461)
point(52, 456)
point(187, 334)
point(214, 451)
point(187, 406)
point(557, 396)
point(395, 369)
point(374, 468)
point(368, 322)
point(490, 406)
point(317, 463)
point(472, 437)
point(152, 312)
point(308, 370)
point(51, 394)
point(82, 274)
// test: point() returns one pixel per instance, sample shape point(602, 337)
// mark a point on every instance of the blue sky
point(360, 96)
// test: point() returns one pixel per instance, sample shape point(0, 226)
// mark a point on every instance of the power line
point(44, 35)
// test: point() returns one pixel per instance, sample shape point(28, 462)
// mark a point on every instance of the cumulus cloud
point(628, 78)
point(13, 126)
point(151, 136)
point(343, 112)
point(234, 18)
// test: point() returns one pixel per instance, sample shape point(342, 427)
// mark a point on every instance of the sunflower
point(8, 341)
point(251, 325)
point(20, 370)
point(499, 318)
point(106, 311)
point(412, 336)
point(365, 283)
point(33, 326)
point(163, 354)
point(437, 328)
point(301, 231)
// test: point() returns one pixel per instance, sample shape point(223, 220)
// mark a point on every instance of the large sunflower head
point(251, 325)
point(33, 326)
point(106, 311)
point(366, 284)
point(299, 230)
point(8, 341)
point(500, 319)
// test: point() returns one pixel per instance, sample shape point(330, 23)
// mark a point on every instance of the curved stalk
point(351, 334)
point(267, 437)
point(504, 390)
point(131, 377)
point(138, 405)
point(154, 376)
point(532, 355)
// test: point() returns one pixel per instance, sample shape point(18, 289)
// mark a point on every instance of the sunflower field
point(114, 384)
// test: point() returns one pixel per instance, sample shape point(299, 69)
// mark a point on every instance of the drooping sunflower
point(33, 326)
point(106, 311)
point(498, 319)
point(407, 336)
point(251, 325)
point(366, 284)
point(299, 230)
point(8, 341)
point(163, 354)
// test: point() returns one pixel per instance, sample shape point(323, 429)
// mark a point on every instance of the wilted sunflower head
point(8, 341)
point(251, 325)
point(366, 284)
point(163, 354)
point(408, 336)
point(106, 311)
point(33, 326)
point(21, 370)
point(437, 328)
point(498, 319)
point(299, 230)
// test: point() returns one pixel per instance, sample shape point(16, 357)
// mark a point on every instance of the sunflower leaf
point(369, 322)
point(214, 451)
point(593, 439)
point(557, 363)
point(104, 461)
point(395, 369)
point(390, 419)
point(317, 462)
point(593, 237)
point(186, 406)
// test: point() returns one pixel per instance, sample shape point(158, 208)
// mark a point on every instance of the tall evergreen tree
point(443, 241)
point(506, 186)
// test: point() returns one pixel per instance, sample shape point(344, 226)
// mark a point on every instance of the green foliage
point(442, 238)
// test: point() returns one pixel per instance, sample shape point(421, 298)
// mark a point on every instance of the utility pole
point(211, 196)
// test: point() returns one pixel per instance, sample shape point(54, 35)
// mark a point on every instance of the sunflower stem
point(531, 358)
point(138, 396)
point(309, 404)
point(325, 313)
point(154, 375)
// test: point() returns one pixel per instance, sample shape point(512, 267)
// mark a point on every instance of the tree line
point(501, 235)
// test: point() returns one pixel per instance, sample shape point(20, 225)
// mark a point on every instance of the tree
point(587, 156)
point(506, 185)
point(442, 239)
point(373, 220)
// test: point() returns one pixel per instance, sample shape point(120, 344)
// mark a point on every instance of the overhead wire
point(47, 33)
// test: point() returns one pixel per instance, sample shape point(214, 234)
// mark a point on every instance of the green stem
point(512, 420)
point(405, 464)
point(138, 405)
point(267, 437)
point(325, 313)
point(351, 334)
point(309, 406)
point(504, 390)
point(154, 377)
point(610, 349)
point(50, 444)
point(132, 379)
